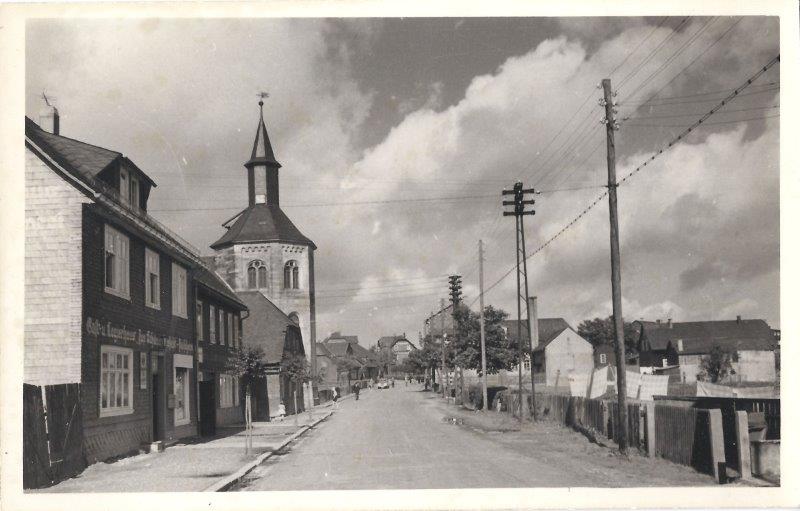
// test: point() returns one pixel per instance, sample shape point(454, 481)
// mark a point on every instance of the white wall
point(53, 276)
point(566, 354)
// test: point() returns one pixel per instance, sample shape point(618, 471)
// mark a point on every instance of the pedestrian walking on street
point(335, 398)
point(392, 382)
point(356, 389)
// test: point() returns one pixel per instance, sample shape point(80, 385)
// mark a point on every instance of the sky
point(396, 137)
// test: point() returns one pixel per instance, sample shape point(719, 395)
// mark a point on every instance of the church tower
point(262, 249)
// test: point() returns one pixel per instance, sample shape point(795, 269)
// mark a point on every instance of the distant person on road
point(335, 399)
point(356, 389)
point(392, 382)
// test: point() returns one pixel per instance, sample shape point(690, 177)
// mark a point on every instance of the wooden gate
point(52, 434)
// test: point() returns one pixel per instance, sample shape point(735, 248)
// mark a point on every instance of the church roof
point(261, 223)
point(262, 148)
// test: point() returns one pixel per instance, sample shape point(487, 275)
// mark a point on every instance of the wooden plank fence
point(683, 436)
point(52, 434)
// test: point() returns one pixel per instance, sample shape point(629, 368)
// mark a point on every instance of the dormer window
point(129, 188)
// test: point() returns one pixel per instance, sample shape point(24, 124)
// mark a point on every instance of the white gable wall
point(567, 353)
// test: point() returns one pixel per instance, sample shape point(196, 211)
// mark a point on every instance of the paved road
point(397, 439)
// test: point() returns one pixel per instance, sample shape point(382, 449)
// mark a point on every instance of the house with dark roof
point(362, 364)
point(218, 331)
point(558, 352)
point(751, 344)
point(110, 295)
point(279, 336)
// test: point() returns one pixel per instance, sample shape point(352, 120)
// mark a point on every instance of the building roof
point(87, 159)
point(388, 341)
point(262, 148)
point(698, 337)
point(338, 349)
point(266, 325)
point(549, 329)
point(207, 277)
point(337, 337)
point(261, 223)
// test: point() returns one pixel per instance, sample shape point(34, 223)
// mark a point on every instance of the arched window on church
point(291, 275)
point(256, 274)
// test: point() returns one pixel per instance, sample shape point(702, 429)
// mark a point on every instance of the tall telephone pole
point(455, 299)
point(483, 330)
point(519, 213)
point(616, 281)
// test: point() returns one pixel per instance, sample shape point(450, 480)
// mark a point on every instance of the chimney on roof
point(669, 322)
point(533, 315)
point(738, 319)
point(49, 118)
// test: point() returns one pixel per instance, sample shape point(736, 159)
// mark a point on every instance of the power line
point(692, 114)
point(713, 123)
point(736, 93)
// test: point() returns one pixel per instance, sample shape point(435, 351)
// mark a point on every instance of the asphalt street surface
point(400, 438)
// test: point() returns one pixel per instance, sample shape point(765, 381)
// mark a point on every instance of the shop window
point(116, 264)
point(198, 316)
point(226, 390)
point(152, 272)
point(116, 381)
point(182, 365)
point(179, 291)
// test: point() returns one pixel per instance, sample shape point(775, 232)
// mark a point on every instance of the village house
point(218, 331)
point(394, 350)
point(333, 372)
point(262, 251)
point(361, 363)
point(560, 350)
point(280, 338)
point(751, 344)
point(109, 294)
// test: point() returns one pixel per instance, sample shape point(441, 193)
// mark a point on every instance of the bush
point(475, 394)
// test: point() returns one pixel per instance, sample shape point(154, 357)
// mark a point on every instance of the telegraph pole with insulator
point(607, 102)
point(455, 300)
point(519, 212)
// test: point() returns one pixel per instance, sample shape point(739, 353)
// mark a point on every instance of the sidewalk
point(193, 464)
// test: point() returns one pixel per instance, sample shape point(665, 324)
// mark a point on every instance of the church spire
point(262, 168)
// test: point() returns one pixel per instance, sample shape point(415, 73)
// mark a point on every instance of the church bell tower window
point(256, 275)
point(291, 275)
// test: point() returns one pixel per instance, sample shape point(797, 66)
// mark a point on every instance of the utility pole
point(616, 281)
point(443, 383)
point(455, 299)
point(483, 330)
point(519, 213)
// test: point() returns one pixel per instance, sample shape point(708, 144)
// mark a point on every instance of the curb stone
point(228, 481)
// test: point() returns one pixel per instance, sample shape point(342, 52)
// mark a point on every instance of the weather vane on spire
point(262, 95)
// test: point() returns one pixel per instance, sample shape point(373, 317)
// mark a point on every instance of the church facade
point(263, 251)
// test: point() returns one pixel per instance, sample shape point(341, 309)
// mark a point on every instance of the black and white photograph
point(263, 252)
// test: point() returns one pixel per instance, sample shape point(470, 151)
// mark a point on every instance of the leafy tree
point(599, 331)
point(297, 368)
point(249, 365)
point(466, 348)
point(716, 365)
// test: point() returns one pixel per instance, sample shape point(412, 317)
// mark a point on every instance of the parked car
point(383, 384)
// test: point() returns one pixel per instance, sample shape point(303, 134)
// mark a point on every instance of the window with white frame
point(221, 327)
point(230, 340)
point(212, 323)
point(152, 279)
point(117, 263)
point(198, 317)
point(526, 364)
point(236, 340)
point(603, 358)
point(179, 291)
point(226, 386)
point(116, 381)
point(182, 365)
